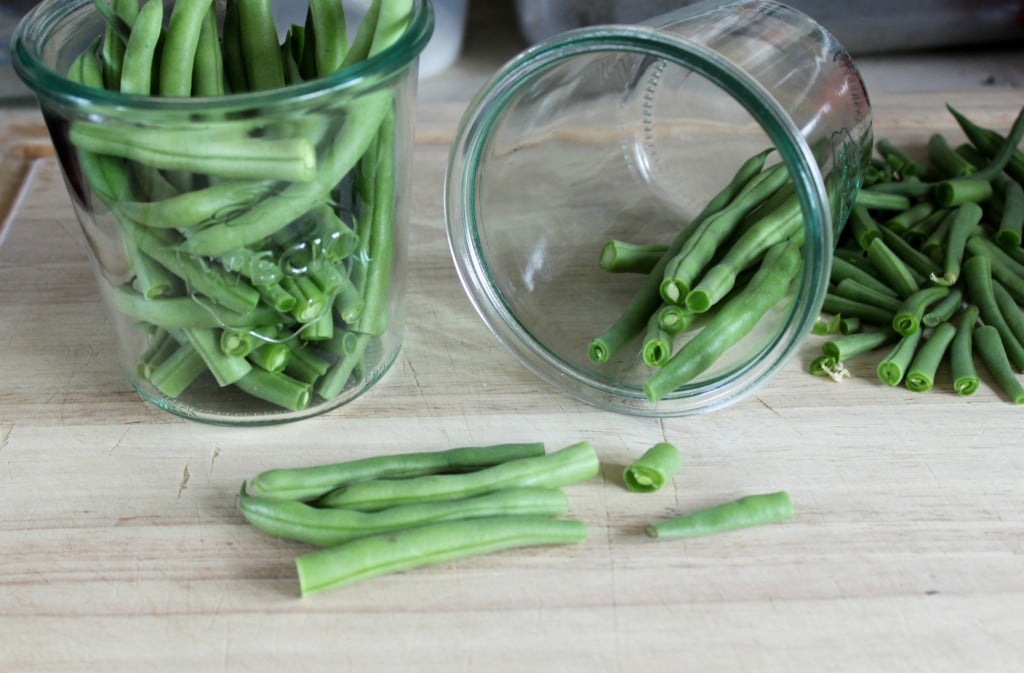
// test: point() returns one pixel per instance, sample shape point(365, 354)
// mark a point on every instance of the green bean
point(962, 223)
point(570, 465)
point(893, 270)
point(772, 228)
point(847, 347)
point(231, 47)
point(899, 160)
point(657, 345)
point(185, 312)
point(210, 151)
point(962, 190)
point(650, 471)
point(945, 159)
point(734, 320)
point(177, 372)
point(682, 269)
point(309, 483)
point(226, 369)
point(858, 309)
point(944, 309)
point(1002, 267)
point(863, 227)
point(646, 300)
point(335, 380)
point(910, 217)
point(991, 348)
point(893, 366)
point(823, 327)
point(204, 206)
point(272, 357)
point(842, 269)
point(328, 527)
point(277, 388)
point(881, 201)
point(304, 365)
point(849, 325)
point(961, 362)
point(428, 545)
point(1006, 152)
point(919, 263)
point(1009, 310)
point(674, 319)
point(908, 318)
point(177, 56)
point(921, 374)
point(379, 250)
point(263, 68)
point(746, 512)
point(624, 257)
point(854, 291)
point(1011, 223)
point(137, 73)
point(989, 143)
point(921, 230)
point(911, 188)
point(208, 76)
point(981, 292)
point(934, 246)
point(360, 47)
point(329, 38)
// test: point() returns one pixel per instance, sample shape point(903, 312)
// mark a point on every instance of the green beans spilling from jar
point(939, 278)
point(734, 263)
point(258, 248)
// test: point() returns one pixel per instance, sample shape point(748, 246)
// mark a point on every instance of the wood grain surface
point(121, 547)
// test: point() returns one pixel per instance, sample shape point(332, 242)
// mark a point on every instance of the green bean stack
point(259, 250)
point(941, 280)
point(390, 513)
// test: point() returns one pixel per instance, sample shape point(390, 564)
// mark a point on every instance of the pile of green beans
point(390, 513)
point(931, 268)
point(259, 250)
point(728, 268)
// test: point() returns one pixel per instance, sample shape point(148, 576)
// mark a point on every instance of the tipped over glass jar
point(719, 148)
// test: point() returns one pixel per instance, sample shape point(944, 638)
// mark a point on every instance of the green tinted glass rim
point(484, 116)
point(351, 80)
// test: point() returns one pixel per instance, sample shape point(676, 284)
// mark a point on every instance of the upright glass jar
point(250, 244)
point(627, 132)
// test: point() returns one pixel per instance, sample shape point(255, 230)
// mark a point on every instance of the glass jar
point(250, 247)
point(626, 132)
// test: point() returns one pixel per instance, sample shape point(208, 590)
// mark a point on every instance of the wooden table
point(121, 547)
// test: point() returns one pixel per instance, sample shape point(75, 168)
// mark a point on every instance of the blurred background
point(899, 45)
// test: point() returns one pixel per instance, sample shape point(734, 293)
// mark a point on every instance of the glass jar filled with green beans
point(240, 172)
point(645, 214)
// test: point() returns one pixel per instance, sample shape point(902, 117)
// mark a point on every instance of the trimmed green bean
point(844, 306)
point(746, 512)
point(428, 545)
point(328, 527)
point(1003, 267)
point(1009, 310)
point(657, 346)
point(907, 319)
point(309, 483)
point(646, 300)
point(962, 190)
point(849, 346)
point(900, 161)
point(881, 201)
point(731, 323)
point(892, 368)
point(921, 374)
point(961, 361)
point(226, 369)
point(944, 309)
point(177, 372)
point(893, 270)
point(948, 163)
point(653, 469)
point(624, 257)
point(1011, 222)
point(920, 264)
point(863, 227)
point(991, 348)
point(962, 223)
point(843, 269)
point(981, 292)
point(276, 388)
point(853, 290)
point(910, 217)
point(570, 465)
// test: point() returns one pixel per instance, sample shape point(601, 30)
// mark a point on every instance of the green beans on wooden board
point(489, 510)
point(952, 256)
point(266, 236)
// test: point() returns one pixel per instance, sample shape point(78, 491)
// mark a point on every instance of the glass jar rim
point(483, 116)
point(43, 79)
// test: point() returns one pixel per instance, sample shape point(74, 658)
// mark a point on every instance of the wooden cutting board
point(121, 548)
